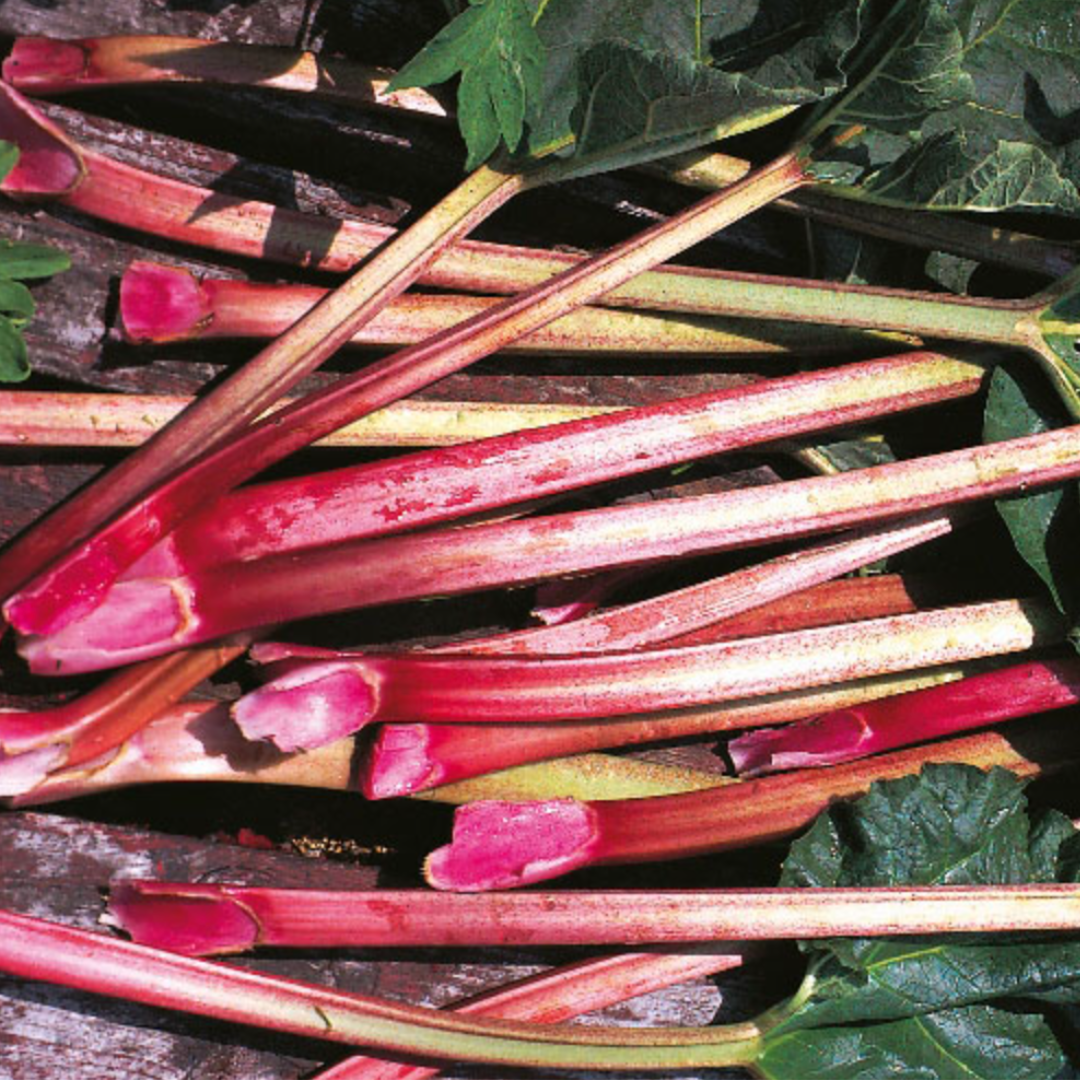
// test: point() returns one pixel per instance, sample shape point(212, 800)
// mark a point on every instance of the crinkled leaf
point(975, 1042)
point(969, 103)
point(952, 272)
point(14, 365)
point(29, 261)
point(952, 824)
point(496, 50)
point(1044, 525)
point(622, 73)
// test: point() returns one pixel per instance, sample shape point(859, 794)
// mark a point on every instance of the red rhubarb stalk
point(325, 700)
point(847, 734)
point(431, 487)
point(212, 420)
point(408, 758)
point(33, 948)
point(194, 920)
point(500, 845)
point(164, 303)
point(149, 616)
point(42, 65)
point(77, 582)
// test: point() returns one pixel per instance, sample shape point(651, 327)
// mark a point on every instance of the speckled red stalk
point(436, 486)
point(149, 616)
point(848, 734)
point(319, 702)
point(48, 161)
point(503, 845)
point(211, 919)
point(43, 65)
point(77, 582)
point(164, 303)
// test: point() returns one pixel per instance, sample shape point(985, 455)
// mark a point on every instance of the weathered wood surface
point(56, 864)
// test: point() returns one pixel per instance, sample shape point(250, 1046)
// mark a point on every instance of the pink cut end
point(43, 64)
point(48, 163)
point(307, 708)
point(189, 925)
point(398, 762)
point(161, 303)
point(139, 619)
point(501, 845)
point(825, 740)
point(21, 773)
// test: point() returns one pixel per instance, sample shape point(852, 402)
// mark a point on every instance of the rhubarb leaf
point(493, 45)
point(1043, 525)
point(965, 104)
point(626, 73)
point(950, 825)
point(617, 80)
point(975, 1042)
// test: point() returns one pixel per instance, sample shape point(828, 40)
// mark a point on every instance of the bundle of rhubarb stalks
point(605, 471)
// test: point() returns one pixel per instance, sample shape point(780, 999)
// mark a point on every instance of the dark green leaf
point(15, 300)
point(14, 366)
point(28, 261)
point(968, 103)
point(632, 73)
point(495, 48)
point(975, 1042)
point(951, 271)
point(950, 825)
point(1045, 524)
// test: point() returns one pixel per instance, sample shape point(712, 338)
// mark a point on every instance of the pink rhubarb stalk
point(847, 734)
point(77, 582)
point(498, 845)
point(322, 701)
point(563, 993)
point(149, 616)
point(203, 920)
point(164, 303)
point(42, 65)
point(37, 949)
point(432, 487)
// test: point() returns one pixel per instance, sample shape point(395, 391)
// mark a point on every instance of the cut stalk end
point(161, 303)
point(309, 707)
point(49, 163)
point(498, 845)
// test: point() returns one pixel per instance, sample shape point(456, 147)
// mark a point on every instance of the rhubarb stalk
point(149, 616)
point(503, 845)
point(848, 734)
point(76, 583)
point(212, 919)
point(432, 487)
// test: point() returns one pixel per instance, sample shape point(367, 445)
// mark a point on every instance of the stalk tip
point(161, 303)
point(44, 64)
